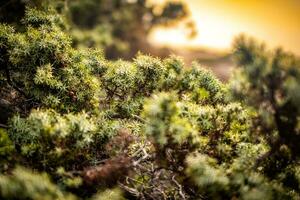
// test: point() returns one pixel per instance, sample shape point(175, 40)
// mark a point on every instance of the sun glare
point(213, 32)
point(218, 22)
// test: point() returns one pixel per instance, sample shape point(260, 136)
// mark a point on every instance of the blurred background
point(197, 30)
point(218, 22)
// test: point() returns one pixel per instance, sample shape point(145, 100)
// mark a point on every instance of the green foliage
point(213, 130)
point(172, 73)
point(164, 122)
point(201, 86)
point(115, 194)
point(49, 140)
point(119, 80)
point(23, 184)
point(36, 18)
point(269, 82)
point(6, 150)
point(6, 146)
point(40, 64)
point(215, 182)
point(149, 74)
point(207, 176)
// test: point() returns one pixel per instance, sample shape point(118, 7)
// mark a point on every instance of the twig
point(130, 190)
point(139, 118)
point(6, 4)
point(162, 192)
point(138, 151)
point(137, 181)
point(4, 126)
point(179, 186)
point(11, 83)
point(142, 158)
point(100, 161)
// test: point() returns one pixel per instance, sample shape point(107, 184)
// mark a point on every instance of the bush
point(269, 82)
point(24, 184)
point(41, 65)
point(146, 128)
point(49, 140)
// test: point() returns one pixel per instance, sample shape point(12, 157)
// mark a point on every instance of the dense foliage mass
point(75, 125)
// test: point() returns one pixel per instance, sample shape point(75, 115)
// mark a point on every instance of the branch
point(139, 118)
point(146, 155)
point(179, 187)
point(4, 126)
point(130, 190)
point(10, 82)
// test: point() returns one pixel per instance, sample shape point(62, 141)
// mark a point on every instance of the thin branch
point(100, 161)
point(6, 4)
point(139, 118)
point(146, 155)
point(180, 188)
point(10, 82)
point(4, 126)
point(130, 190)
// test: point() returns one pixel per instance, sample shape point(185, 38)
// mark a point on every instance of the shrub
point(143, 129)
point(268, 81)
point(41, 65)
point(49, 140)
point(24, 184)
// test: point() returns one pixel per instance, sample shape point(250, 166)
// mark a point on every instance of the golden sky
point(277, 22)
